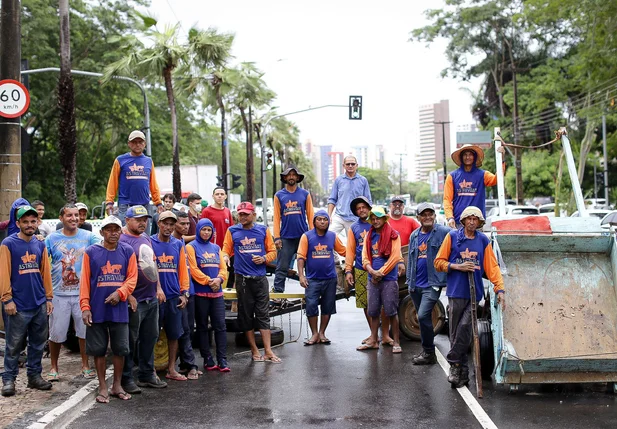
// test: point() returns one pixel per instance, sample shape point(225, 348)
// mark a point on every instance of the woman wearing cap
point(466, 185)
point(465, 251)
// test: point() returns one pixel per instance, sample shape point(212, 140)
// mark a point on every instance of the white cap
point(109, 220)
point(81, 206)
point(137, 135)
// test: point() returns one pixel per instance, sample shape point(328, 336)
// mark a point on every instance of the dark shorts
point(113, 333)
point(170, 318)
point(383, 293)
point(253, 302)
point(321, 292)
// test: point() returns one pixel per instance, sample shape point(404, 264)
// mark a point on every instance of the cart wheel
point(513, 388)
point(487, 357)
point(277, 336)
point(614, 387)
point(408, 318)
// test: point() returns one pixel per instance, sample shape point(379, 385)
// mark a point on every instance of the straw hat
point(456, 155)
point(473, 211)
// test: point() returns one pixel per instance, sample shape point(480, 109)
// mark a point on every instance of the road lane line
point(467, 396)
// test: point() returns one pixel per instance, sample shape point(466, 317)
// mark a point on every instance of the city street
point(337, 386)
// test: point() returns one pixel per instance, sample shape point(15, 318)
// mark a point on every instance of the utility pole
point(443, 139)
point(400, 172)
point(605, 156)
point(518, 154)
point(10, 129)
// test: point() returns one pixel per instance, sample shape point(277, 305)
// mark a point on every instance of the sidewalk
point(28, 405)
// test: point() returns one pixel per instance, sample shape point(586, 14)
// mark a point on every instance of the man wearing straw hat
point(466, 185)
point(466, 251)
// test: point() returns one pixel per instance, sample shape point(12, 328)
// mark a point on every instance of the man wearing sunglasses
point(346, 187)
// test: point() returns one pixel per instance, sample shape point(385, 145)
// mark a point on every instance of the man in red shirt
point(221, 218)
point(405, 225)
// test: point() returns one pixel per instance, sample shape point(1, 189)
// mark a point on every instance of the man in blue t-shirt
point(66, 248)
point(423, 280)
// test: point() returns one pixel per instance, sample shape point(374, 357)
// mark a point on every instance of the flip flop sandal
point(365, 347)
point(259, 358)
point(310, 343)
point(397, 349)
point(102, 399)
point(121, 395)
point(388, 343)
point(53, 376)
point(273, 359)
point(178, 377)
point(192, 375)
point(88, 373)
point(325, 341)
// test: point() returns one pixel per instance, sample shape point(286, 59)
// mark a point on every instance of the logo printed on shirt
point(375, 248)
point(466, 189)
point(208, 260)
point(111, 276)
point(29, 264)
point(291, 207)
point(136, 172)
point(362, 237)
point(165, 258)
point(249, 245)
point(111, 269)
point(422, 251)
point(321, 252)
point(166, 263)
point(469, 256)
point(28, 257)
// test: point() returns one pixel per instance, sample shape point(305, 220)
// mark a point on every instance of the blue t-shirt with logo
point(421, 267)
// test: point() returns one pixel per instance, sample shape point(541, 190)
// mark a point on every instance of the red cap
point(245, 207)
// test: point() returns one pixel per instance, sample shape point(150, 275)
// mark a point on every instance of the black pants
point(214, 310)
point(253, 298)
point(459, 314)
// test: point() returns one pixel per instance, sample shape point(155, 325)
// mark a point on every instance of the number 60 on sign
point(14, 98)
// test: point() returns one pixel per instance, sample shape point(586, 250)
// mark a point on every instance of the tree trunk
point(67, 136)
point(250, 175)
point(169, 89)
point(219, 100)
point(274, 181)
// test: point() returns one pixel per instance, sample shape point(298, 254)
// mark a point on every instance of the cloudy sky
point(322, 51)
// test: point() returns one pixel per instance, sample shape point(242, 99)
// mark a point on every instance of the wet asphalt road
point(338, 387)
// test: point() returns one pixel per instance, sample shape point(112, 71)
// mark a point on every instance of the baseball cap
point(81, 206)
point(204, 203)
point(137, 135)
point(167, 215)
point(425, 206)
point(111, 220)
point(379, 211)
point(23, 210)
point(398, 198)
point(245, 207)
point(137, 211)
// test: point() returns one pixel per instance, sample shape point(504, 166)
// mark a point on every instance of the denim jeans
point(185, 346)
point(285, 256)
point(215, 309)
point(424, 299)
point(143, 335)
point(30, 324)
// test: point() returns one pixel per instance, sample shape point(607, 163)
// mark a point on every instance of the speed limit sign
point(14, 98)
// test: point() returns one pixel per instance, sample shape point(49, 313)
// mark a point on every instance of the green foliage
point(539, 174)
point(379, 183)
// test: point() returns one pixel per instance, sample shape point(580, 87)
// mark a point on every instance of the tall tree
point(161, 57)
point(67, 138)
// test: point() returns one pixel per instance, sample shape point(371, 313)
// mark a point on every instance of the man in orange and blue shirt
point(293, 216)
point(466, 251)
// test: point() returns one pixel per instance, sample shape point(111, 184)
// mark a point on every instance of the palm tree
point(67, 137)
point(162, 56)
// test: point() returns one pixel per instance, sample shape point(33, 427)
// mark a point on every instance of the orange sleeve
point(395, 257)
point(365, 260)
point(491, 268)
point(490, 179)
point(302, 251)
point(339, 247)
point(276, 217)
point(46, 274)
point(154, 188)
point(228, 244)
point(84, 284)
point(222, 267)
point(130, 281)
point(350, 254)
point(196, 272)
point(448, 197)
point(112, 183)
point(270, 247)
point(442, 259)
point(310, 211)
point(183, 272)
point(5, 278)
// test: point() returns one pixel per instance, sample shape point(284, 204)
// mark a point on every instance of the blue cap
point(137, 211)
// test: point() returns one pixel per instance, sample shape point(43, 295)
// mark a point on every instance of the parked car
point(511, 212)
point(490, 203)
point(594, 212)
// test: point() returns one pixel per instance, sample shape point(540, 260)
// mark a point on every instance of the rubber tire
point(277, 336)
point(72, 342)
point(487, 356)
point(408, 318)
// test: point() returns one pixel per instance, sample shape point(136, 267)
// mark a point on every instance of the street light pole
point(443, 138)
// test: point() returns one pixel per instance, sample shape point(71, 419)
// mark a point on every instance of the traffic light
point(355, 107)
point(269, 161)
point(220, 181)
point(236, 181)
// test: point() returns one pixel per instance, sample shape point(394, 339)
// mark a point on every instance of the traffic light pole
point(262, 145)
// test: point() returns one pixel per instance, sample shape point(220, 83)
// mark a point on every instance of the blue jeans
point(285, 256)
point(215, 309)
point(30, 324)
point(122, 208)
point(424, 299)
point(143, 335)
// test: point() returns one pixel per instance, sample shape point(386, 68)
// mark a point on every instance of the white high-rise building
point(361, 154)
point(430, 148)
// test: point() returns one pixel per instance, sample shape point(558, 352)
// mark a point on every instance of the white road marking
point(72, 408)
point(467, 396)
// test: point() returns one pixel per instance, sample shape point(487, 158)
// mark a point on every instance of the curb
point(69, 410)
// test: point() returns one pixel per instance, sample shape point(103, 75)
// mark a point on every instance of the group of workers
point(121, 288)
